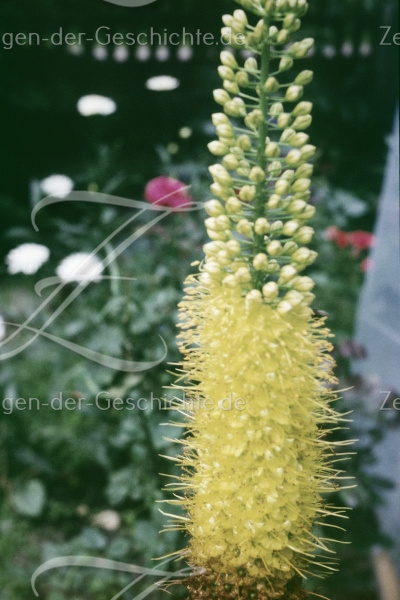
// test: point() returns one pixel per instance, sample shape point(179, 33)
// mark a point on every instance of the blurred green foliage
point(60, 470)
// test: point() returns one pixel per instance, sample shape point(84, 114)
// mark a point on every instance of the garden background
point(85, 482)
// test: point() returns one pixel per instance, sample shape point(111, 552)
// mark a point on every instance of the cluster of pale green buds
point(258, 219)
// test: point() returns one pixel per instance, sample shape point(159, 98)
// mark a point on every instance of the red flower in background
point(334, 234)
point(167, 191)
point(361, 240)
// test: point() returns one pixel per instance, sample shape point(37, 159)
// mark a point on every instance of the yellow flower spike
point(256, 369)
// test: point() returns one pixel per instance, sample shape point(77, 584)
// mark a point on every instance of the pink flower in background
point(167, 191)
point(361, 240)
point(334, 234)
point(366, 264)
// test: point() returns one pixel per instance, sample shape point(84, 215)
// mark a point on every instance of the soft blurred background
point(85, 482)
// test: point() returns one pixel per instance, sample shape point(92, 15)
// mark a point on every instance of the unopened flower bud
point(304, 77)
point(302, 122)
point(304, 235)
point(243, 275)
point(243, 168)
point(302, 108)
point(220, 174)
point(257, 175)
point(289, 19)
point(305, 170)
point(274, 248)
point(240, 16)
point(285, 63)
point(220, 119)
point(261, 226)
point(230, 161)
point(247, 193)
point(244, 228)
point(287, 273)
point(228, 60)
point(294, 158)
point(284, 120)
point(276, 109)
point(217, 148)
point(271, 85)
point(309, 212)
point(284, 307)
point(221, 191)
point(221, 96)
point(299, 139)
point(260, 262)
point(233, 247)
point(294, 93)
point(283, 36)
point(276, 227)
point(286, 136)
point(270, 290)
point(302, 255)
point(254, 118)
point(233, 206)
point(231, 87)
point(294, 297)
point(214, 208)
point(308, 151)
point(272, 150)
point(251, 64)
point(301, 49)
point(244, 142)
point(303, 284)
point(275, 167)
point(223, 222)
point(235, 107)
point(274, 201)
point(226, 73)
point(242, 78)
point(230, 281)
point(282, 187)
point(213, 269)
point(297, 206)
point(301, 185)
point(290, 228)
point(289, 247)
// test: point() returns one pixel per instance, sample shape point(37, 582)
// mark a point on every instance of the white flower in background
point(162, 83)
point(57, 185)
point(143, 53)
point(100, 53)
point(80, 266)
point(121, 54)
point(27, 258)
point(162, 53)
point(184, 53)
point(94, 104)
point(109, 520)
point(2, 328)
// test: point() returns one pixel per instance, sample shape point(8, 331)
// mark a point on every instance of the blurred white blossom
point(80, 266)
point(94, 104)
point(27, 258)
point(162, 83)
point(109, 520)
point(57, 185)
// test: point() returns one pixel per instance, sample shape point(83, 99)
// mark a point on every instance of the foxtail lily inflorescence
point(254, 476)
